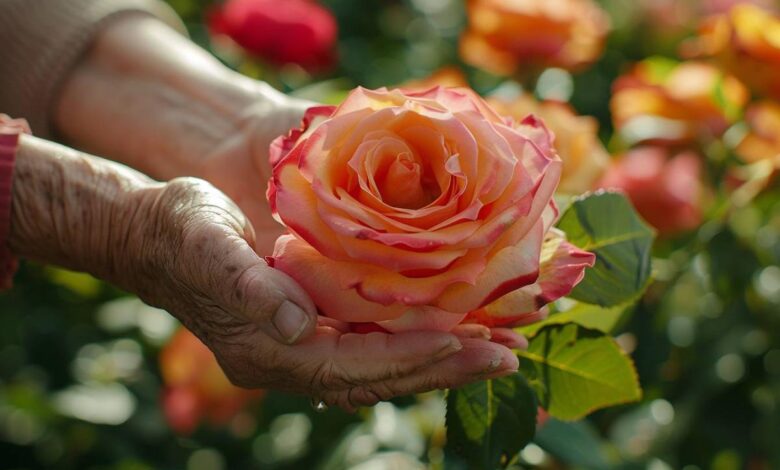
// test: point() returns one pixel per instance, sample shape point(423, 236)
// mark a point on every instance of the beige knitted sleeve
point(41, 41)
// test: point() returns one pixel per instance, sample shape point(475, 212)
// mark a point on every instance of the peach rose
point(576, 139)
point(663, 100)
point(421, 210)
point(666, 191)
point(745, 42)
point(195, 386)
point(505, 35)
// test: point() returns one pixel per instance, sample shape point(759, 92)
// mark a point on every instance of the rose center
point(404, 183)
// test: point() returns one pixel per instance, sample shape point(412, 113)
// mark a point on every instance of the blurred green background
point(80, 385)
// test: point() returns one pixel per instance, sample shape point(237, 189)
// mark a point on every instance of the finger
point(332, 323)
point(529, 318)
point(267, 297)
point(509, 338)
point(471, 330)
point(478, 360)
point(342, 361)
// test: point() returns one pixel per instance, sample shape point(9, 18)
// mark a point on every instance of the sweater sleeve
point(9, 141)
point(42, 40)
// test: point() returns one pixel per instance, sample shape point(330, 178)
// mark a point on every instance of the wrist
point(149, 98)
point(72, 209)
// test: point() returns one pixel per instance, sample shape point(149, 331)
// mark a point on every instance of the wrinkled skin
point(236, 294)
point(184, 246)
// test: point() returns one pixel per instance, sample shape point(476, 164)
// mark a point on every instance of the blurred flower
point(745, 41)
point(505, 35)
point(300, 32)
point(667, 17)
point(195, 386)
point(576, 139)
point(666, 192)
point(714, 7)
point(762, 142)
point(663, 100)
point(448, 77)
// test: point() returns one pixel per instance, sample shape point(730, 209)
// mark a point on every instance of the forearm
point(75, 210)
point(150, 98)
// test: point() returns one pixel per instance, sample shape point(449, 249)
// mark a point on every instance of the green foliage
point(572, 363)
point(603, 319)
point(489, 422)
point(606, 224)
point(576, 371)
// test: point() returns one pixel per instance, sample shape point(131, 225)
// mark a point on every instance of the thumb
point(273, 301)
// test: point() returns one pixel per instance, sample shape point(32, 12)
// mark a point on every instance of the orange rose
point(504, 35)
point(745, 41)
point(666, 192)
point(762, 142)
point(663, 100)
point(576, 139)
point(413, 210)
point(196, 387)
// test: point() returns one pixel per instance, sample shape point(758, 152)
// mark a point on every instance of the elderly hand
point(185, 247)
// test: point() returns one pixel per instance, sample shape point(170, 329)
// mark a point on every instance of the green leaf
point(489, 422)
point(606, 224)
point(576, 370)
point(603, 319)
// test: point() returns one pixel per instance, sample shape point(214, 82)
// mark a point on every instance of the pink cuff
point(10, 129)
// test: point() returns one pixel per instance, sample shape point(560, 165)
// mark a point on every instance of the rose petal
point(511, 268)
point(328, 282)
point(458, 100)
point(295, 205)
point(282, 145)
point(563, 266)
point(423, 318)
point(335, 286)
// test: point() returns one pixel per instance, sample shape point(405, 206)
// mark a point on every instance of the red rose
point(280, 32)
point(666, 192)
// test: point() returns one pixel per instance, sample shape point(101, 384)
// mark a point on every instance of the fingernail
point(290, 321)
point(498, 366)
point(493, 365)
point(449, 349)
point(507, 366)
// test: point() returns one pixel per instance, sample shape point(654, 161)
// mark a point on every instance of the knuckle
point(326, 377)
point(369, 395)
point(251, 294)
point(435, 382)
point(322, 378)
